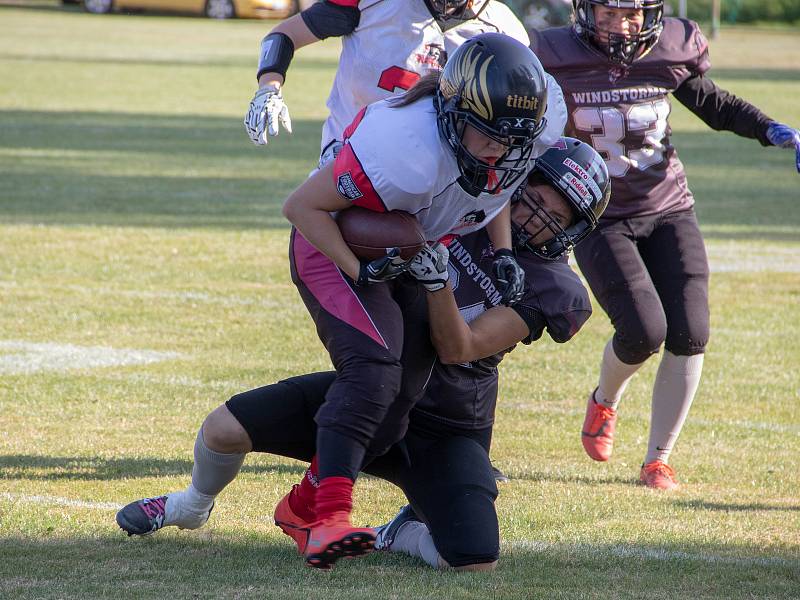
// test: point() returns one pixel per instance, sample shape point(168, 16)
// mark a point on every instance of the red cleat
point(658, 475)
point(597, 435)
point(292, 525)
point(334, 538)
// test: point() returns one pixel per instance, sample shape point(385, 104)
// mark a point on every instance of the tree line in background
point(539, 14)
point(744, 11)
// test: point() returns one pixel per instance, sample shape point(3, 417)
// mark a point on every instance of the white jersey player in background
point(387, 46)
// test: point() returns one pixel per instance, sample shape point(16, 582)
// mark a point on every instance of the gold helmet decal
point(472, 71)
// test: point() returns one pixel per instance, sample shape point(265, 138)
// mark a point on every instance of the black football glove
point(382, 269)
point(509, 275)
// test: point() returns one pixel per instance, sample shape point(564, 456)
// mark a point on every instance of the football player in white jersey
point(387, 45)
point(451, 152)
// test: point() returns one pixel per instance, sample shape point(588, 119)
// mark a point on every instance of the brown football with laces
point(371, 234)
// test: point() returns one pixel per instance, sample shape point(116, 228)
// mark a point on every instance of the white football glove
point(267, 109)
point(429, 267)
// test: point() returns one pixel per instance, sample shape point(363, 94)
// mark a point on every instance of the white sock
point(414, 539)
point(187, 509)
point(673, 392)
point(614, 377)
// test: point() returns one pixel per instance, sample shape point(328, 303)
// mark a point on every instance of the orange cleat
point(658, 475)
point(335, 537)
point(597, 435)
point(292, 525)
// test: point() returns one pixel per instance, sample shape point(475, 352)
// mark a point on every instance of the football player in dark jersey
point(442, 464)
point(646, 261)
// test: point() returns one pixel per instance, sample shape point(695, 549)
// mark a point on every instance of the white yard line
point(736, 257)
point(58, 501)
point(20, 357)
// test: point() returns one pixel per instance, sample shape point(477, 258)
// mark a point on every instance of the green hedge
point(744, 11)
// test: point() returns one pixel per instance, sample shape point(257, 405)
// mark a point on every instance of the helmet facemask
point(620, 49)
point(456, 10)
point(576, 172)
point(561, 240)
point(517, 135)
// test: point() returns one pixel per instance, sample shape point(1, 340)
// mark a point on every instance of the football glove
point(784, 136)
point(382, 269)
point(429, 267)
point(266, 111)
point(509, 275)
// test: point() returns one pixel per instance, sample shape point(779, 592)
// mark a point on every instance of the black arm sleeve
point(721, 110)
point(327, 19)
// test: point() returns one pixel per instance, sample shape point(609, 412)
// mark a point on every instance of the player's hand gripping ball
point(382, 269)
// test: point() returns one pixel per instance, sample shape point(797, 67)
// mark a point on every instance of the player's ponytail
point(425, 86)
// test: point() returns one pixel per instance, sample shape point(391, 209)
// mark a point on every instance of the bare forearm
point(499, 229)
point(308, 208)
point(457, 341)
point(450, 334)
point(321, 231)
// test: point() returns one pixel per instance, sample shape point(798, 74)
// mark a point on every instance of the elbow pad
point(332, 18)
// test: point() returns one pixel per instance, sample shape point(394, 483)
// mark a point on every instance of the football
point(370, 234)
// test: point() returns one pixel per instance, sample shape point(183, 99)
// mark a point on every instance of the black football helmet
point(495, 84)
point(454, 12)
point(579, 173)
point(621, 49)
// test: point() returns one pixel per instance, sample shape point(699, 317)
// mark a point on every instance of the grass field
point(144, 279)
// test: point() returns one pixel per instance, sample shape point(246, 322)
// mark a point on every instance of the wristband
point(277, 50)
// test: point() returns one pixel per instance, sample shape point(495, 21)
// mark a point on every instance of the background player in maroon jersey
point(646, 261)
point(442, 464)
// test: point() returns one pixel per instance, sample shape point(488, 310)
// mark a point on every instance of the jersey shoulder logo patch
point(347, 187)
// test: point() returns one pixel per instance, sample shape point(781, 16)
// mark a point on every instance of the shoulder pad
point(683, 43)
point(556, 292)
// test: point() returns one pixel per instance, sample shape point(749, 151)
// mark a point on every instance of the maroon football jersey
point(623, 113)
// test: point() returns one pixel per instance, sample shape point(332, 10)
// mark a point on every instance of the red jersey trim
point(356, 122)
point(349, 176)
point(353, 3)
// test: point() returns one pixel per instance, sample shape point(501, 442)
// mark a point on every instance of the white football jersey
point(395, 159)
point(395, 43)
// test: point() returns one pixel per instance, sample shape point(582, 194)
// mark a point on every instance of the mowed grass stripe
point(135, 213)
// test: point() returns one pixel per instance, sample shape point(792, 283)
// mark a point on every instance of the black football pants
point(379, 343)
point(650, 275)
point(447, 478)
